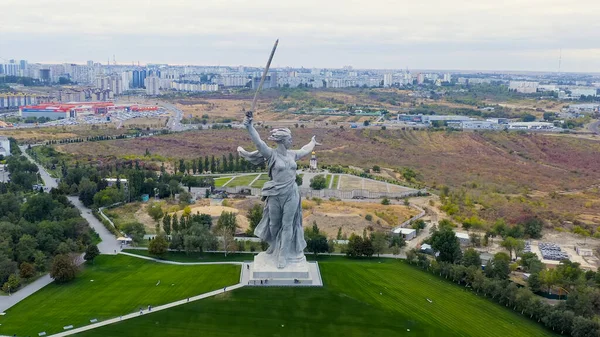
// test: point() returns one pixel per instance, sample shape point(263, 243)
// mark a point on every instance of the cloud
point(372, 34)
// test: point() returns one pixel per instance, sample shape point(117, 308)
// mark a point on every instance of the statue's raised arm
point(263, 148)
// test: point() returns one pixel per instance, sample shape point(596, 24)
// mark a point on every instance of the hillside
point(530, 172)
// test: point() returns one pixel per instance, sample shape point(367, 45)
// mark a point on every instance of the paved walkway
point(7, 302)
point(179, 263)
point(48, 180)
point(109, 244)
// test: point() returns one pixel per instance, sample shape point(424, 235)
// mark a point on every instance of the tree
point(355, 245)
point(255, 215)
point(135, 230)
point(226, 225)
point(26, 248)
point(528, 118)
point(155, 211)
point(159, 245)
point(298, 180)
point(471, 258)
point(91, 252)
point(166, 224)
point(175, 224)
point(585, 327)
point(318, 182)
point(87, 189)
point(13, 283)
point(315, 241)
point(339, 234)
point(385, 201)
point(511, 244)
point(498, 267)
point(63, 269)
point(181, 165)
point(534, 282)
point(531, 263)
point(376, 169)
point(447, 245)
point(26, 270)
point(380, 242)
point(533, 227)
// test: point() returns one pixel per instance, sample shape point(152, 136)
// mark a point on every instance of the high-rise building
point(447, 77)
point(388, 80)
point(90, 63)
point(152, 84)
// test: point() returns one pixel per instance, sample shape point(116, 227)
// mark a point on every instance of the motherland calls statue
point(281, 225)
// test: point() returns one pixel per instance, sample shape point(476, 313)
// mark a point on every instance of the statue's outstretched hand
point(314, 140)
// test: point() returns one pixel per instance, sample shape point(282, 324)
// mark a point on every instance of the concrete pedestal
point(264, 272)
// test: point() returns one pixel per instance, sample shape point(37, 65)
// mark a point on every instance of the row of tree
point(575, 316)
point(225, 164)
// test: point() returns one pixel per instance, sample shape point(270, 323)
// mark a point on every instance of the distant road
point(595, 127)
point(48, 180)
point(109, 244)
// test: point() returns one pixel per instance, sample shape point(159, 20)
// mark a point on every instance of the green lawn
point(260, 182)
point(327, 180)
point(336, 179)
point(197, 257)
point(360, 298)
point(242, 180)
point(219, 182)
point(121, 285)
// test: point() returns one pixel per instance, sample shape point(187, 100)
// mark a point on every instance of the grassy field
point(260, 182)
point(196, 257)
point(219, 182)
point(242, 180)
point(360, 298)
point(336, 179)
point(113, 286)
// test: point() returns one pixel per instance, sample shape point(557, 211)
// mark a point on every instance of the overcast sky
point(424, 34)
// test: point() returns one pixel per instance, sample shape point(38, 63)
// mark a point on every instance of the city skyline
point(507, 36)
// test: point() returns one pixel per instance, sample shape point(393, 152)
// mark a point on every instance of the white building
point(475, 125)
point(406, 233)
point(523, 87)
point(447, 77)
point(387, 80)
point(152, 84)
point(584, 251)
point(4, 146)
point(463, 238)
point(532, 126)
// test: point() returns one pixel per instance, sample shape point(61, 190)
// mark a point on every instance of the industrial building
point(4, 146)
point(475, 125)
point(77, 109)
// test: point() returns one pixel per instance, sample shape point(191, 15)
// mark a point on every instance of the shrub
point(368, 217)
point(26, 271)
point(318, 182)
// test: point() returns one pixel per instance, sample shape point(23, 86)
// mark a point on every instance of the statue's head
point(282, 136)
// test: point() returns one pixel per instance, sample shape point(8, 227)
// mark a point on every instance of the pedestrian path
point(178, 263)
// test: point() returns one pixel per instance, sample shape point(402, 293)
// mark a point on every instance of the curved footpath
point(109, 244)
